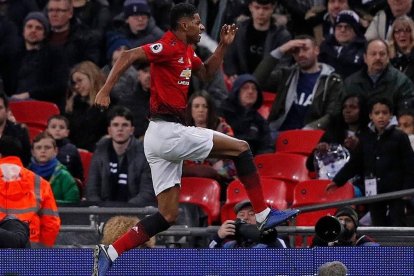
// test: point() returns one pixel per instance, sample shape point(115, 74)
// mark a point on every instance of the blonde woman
point(401, 44)
point(86, 80)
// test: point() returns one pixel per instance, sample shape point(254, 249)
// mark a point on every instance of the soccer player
point(168, 141)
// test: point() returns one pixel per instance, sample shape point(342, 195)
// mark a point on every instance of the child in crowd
point(385, 158)
point(68, 154)
point(45, 164)
point(406, 124)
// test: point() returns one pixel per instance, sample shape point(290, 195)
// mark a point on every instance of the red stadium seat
point(298, 141)
point(33, 132)
point(204, 192)
point(268, 99)
point(288, 167)
point(86, 158)
point(313, 192)
point(33, 113)
point(274, 192)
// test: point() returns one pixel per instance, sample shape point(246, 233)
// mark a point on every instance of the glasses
point(404, 30)
point(57, 10)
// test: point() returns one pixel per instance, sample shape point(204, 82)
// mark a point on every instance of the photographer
point(243, 233)
point(347, 236)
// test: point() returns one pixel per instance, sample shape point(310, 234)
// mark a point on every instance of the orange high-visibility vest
point(28, 197)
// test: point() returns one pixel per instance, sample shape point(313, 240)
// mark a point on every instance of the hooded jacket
point(283, 81)
point(247, 124)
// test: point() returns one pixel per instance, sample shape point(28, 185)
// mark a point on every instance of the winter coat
point(247, 124)
point(388, 157)
point(21, 135)
point(349, 60)
point(404, 64)
point(139, 183)
point(391, 84)
point(235, 62)
point(327, 92)
point(64, 186)
point(68, 155)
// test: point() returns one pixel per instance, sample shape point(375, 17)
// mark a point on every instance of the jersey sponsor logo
point(186, 73)
point(156, 48)
point(183, 82)
point(181, 60)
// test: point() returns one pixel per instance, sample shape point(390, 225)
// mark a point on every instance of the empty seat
point(33, 113)
point(86, 158)
point(274, 192)
point(204, 192)
point(288, 167)
point(298, 141)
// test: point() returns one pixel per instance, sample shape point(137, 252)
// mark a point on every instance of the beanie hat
point(135, 7)
point(114, 43)
point(242, 204)
point(349, 212)
point(39, 16)
point(349, 17)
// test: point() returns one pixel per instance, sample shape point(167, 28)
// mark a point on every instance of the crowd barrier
point(360, 261)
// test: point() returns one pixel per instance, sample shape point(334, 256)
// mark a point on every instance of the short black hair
point(309, 37)
point(263, 2)
point(120, 111)
point(5, 100)
point(179, 11)
point(380, 100)
point(406, 112)
point(10, 147)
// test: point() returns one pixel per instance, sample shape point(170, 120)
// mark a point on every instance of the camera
point(329, 229)
point(246, 231)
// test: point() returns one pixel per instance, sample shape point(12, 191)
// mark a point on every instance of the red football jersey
point(171, 63)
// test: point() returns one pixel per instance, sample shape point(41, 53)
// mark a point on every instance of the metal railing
point(393, 233)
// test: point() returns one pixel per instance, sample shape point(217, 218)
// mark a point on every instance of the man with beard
point(307, 92)
point(380, 79)
point(348, 217)
point(119, 172)
point(42, 74)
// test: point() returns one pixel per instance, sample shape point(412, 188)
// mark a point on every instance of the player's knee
point(243, 146)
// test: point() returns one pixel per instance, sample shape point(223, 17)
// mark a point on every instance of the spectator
point(9, 45)
point(68, 154)
point(383, 19)
point(14, 130)
point(77, 40)
point(401, 45)
point(43, 73)
point(128, 80)
point(87, 79)
point(240, 111)
point(136, 24)
point(297, 10)
point(344, 129)
point(45, 164)
point(334, 268)
point(95, 14)
point(17, 10)
point(308, 92)
point(349, 236)
point(23, 191)
point(201, 112)
point(117, 226)
point(380, 79)
point(406, 124)
point(256, 37)
point(242, 233)
point(14, 233)
point(385, 157)
point(119, 171)
point(344, 49)
point(136, 98)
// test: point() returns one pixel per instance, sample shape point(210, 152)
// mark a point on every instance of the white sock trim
point(112, 253)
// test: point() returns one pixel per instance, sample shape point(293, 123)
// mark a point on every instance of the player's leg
point(239, 151)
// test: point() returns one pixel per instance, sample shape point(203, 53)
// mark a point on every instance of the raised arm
point(125, 60)
point(214, 62)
